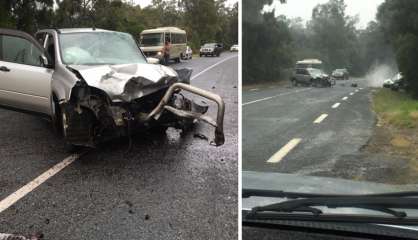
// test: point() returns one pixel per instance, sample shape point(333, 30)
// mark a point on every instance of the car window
point(40, 37)
point(19, 50)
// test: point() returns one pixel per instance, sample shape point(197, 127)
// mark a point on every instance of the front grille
point(150, 54)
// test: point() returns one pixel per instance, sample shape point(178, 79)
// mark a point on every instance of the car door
point(25, 84)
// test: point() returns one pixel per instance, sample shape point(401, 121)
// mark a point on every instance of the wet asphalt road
point(166, 187)
point(273, 117)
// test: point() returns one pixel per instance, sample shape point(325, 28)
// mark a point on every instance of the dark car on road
point(396, 82)
point(211, 49)
point(311, 77)
point(340, 74)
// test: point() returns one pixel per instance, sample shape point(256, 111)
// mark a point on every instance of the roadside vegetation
point(332, 36)
point(204, 21)
point(396, 131)
point(396, 108)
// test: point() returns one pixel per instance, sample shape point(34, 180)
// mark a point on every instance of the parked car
point(340, 74)
point(211, 49)
point(234, 48)
point(188, 54)
point(96, 84)
point(311, 77)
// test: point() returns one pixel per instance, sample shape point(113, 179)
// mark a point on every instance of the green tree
point(266, 44)
point(200, 20)
point(399, 20)
point(334, 35)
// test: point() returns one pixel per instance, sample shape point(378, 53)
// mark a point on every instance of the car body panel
point(25, 86)
point(113, 79)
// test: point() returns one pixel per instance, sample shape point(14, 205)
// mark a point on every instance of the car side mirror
point(152, 60)
point(44, 62)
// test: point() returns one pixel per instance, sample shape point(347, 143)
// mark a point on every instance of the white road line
point(209, 68)
point(351, 93)
point(345, 98)
point(254, 89)
point(278, 95)
point(336, 105)
point(278, 156)
point(357, 90)
point(321, 118)
point(361, 88)
point(23, 191)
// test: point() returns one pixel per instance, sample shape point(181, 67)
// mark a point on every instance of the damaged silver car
point(96, 85)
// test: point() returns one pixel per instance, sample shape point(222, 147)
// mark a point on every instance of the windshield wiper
point(383, 204)
point(247, 192)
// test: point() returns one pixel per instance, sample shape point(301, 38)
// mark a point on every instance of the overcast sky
point(144, 3)
point(366, 9)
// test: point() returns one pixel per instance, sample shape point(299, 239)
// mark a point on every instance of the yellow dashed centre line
point(278, 156)
point(321, 118)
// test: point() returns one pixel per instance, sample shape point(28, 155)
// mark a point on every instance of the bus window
point(151, 39)
point(167, 37)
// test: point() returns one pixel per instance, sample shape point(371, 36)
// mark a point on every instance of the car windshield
point(96, 48)
point(151, 39)
point(314, 71)
point(351, 134)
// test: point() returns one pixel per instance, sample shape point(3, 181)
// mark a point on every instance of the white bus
point(152, 42)
point(309, 63)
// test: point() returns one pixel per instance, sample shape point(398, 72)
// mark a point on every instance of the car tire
point(294, 83)
point(75, 127)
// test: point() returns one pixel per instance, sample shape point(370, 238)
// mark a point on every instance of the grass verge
point(396, 108)
point(396, 131)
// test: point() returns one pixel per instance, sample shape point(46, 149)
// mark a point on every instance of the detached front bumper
point(219, 138)
point(89, 120)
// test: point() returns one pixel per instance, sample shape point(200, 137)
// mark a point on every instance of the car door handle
point(4, 69)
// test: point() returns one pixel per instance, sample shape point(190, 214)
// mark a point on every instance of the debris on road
point(5, 236)
point(354, 85)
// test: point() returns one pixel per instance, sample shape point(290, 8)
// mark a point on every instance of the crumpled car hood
point(125, 82)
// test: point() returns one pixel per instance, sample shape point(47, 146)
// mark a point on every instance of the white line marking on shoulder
point(23, 191)
point(212, 66)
